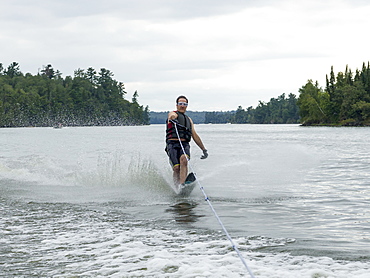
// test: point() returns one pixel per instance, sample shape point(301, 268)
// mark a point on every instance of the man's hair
point(177, 100)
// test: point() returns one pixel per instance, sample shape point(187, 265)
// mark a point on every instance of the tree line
point(88, 98)
point(161, 117)
point(344, 101)
point(95, 98)
point(280, 110)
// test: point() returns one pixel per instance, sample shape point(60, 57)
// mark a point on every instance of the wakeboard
point(187, 187)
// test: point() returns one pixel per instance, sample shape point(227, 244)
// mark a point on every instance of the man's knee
point(176, 168)
point(183, 160)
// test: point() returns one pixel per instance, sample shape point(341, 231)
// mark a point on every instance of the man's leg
point(176, 174)
point(183, 168)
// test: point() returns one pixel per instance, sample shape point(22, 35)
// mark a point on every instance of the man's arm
point(198, 141)
point(196, 137)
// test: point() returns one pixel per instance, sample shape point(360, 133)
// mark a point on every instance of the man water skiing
point(185, 130)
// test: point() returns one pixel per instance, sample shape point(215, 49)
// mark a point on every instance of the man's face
point(182, 105)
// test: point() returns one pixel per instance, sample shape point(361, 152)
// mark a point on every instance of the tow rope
point(211, 206)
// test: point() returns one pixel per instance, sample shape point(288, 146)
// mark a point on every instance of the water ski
point(186, 188)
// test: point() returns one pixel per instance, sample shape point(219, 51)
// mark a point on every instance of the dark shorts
point(174, 151)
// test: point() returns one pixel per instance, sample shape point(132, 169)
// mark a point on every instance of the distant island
point(89, 98)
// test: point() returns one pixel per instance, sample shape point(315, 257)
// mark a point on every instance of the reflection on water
point(184, 213)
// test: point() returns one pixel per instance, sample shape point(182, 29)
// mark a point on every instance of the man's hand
point(205, 154)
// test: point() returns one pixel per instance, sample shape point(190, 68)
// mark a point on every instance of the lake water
point(96, 202)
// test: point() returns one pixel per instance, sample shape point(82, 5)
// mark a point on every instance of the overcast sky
point(220, 54)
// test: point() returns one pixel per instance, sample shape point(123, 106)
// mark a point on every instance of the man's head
point(181, 104)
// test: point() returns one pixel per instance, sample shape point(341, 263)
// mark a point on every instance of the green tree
point(261, 114)
point(240, 116)
point(362, 108)
point(352, 94)
point(134, 97)
point(13, 70)
point(48, 71)
point(312, 101)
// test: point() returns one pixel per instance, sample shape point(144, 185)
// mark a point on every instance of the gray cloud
point(129, 9)
point(246, 50)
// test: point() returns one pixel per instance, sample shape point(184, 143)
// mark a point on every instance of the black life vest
point(184, 128)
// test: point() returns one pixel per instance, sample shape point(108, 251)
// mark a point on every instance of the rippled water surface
point(97, 202)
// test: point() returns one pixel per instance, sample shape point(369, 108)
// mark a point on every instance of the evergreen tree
point(240, 116)
point(134, 97)
point(48, 71)
point(13, 70)
point(312, 102)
